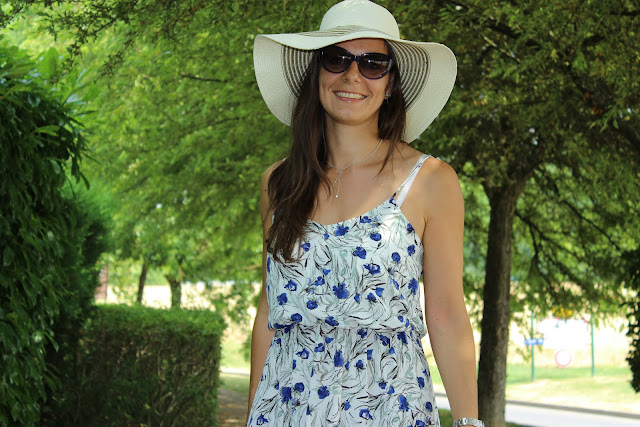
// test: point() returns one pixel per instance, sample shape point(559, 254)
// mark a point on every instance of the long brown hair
point(293, 185)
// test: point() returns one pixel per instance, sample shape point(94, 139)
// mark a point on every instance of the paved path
point(232, 408)
point(541, 415)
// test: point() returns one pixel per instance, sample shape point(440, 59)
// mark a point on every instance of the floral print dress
point(348, 323)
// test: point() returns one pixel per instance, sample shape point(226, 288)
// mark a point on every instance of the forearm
point(261, 337)
point(454, 350)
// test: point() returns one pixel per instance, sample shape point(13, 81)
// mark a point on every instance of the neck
point(349, 144)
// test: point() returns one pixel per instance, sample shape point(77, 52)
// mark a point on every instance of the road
point(535, 415)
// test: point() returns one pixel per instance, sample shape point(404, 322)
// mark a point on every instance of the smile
point(350, 95)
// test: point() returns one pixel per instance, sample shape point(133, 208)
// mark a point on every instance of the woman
point(351, 218)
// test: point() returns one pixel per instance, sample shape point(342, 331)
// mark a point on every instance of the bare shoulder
point(439, 189)
point(267, 174)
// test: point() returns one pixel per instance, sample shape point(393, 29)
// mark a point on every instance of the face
point(348, 97)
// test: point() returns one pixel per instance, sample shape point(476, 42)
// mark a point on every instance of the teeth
point(350, 95)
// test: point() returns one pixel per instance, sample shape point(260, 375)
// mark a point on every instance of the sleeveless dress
point(348, 323)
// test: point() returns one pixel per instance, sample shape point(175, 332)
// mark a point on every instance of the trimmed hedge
point(143, 366)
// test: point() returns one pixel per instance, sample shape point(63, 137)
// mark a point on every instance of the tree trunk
point(495, 315)
point(141, 281)
point(176, 291)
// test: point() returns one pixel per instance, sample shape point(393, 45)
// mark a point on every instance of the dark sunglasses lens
point(374, 65)
point(335, 60)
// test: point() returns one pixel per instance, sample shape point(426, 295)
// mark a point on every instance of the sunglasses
point(372, 66)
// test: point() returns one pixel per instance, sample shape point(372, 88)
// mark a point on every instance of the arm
point(261, 335)
point(446, 315)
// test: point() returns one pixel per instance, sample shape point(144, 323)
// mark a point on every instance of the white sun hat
point(427, 70)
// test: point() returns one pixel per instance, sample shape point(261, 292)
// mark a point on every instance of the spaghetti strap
point(402, 191)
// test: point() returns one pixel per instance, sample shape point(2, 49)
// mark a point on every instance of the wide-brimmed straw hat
point(427, 70)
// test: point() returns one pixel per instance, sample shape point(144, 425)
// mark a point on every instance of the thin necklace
point(339, 177)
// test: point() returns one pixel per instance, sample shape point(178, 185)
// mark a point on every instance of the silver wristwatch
point(468, 422)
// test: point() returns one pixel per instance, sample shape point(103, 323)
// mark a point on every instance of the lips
point(350, 95)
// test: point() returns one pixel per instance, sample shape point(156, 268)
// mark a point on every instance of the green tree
point(544, 118)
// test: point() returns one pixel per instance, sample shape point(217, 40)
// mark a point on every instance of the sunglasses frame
point(357, 59)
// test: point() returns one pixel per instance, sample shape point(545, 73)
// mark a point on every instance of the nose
point(352, 73)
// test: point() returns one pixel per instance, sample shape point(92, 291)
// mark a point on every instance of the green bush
point(43, 267)
point(143, 366)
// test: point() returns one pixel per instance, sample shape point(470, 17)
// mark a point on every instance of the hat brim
point(427, 71)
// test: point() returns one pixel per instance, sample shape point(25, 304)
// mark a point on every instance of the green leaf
point(7, 256)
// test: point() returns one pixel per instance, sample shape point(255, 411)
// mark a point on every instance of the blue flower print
point(323, 392)
point(365, 220)
point(420, 423)
point(360, 253)
point(385, 340)
point(392, 350)
point(262, 420)
point(319, 281)
point(346, 366)
point(308, 411)
point(360, 364)
point(347, 405)
point(421, 382)
point(296, 317)
point(373, 268)
point(326, 236)
point(331, 321)
point(293, 365)
point(356, 297)
point(379, 291)
point(341, 231)
point(391, 390)
point(369, 354)
point(425, 371)
point(429, 406)
point(401, 319)
point(402, 337)
point(306, 246)
point(276, 385)
point(382, 385)
point(375, 237)
point(409, 227)
point(411, 249)
point(413, 286)
point(326, 271)
point(328, 339)
point(371, 297)
point(304, 353)
point(362, 333)
point(291, 285)
point(404, 405)
point(285, 392)
point(364, 413)
point(312, 304)
point(268, 267)
point(319, 348)
point(282, 299)
point(396, 284)
point(340, 291)
point(299, 387)
point(338, 360)
point(395, 257)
